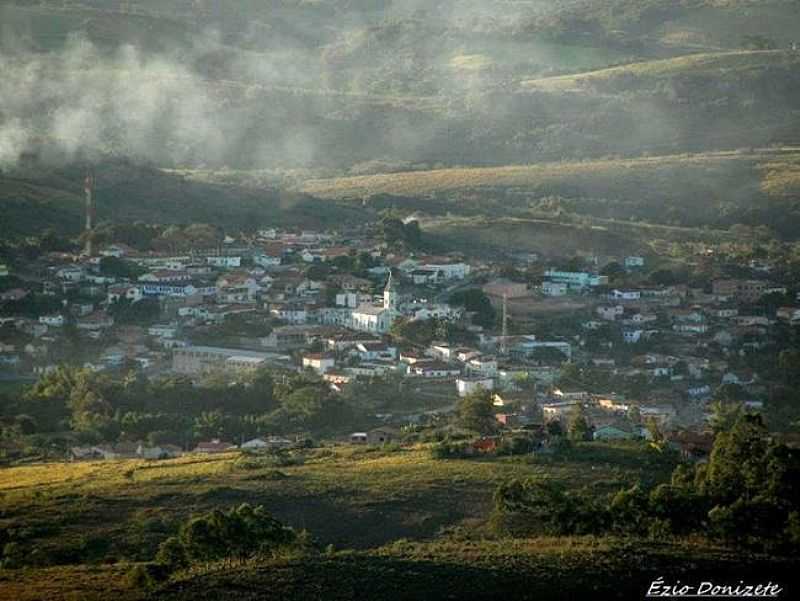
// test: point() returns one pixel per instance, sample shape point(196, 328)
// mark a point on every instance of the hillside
point(716, 189)
point(721, 66)
point(392, 515)
point(38, 197)
point(334, 84)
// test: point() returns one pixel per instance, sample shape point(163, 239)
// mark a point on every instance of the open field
point(360, 485)
point(376, 496)
point(399, 521)
point(600, 178)
point(552, 237)
point(532, 569)
point(713, 64)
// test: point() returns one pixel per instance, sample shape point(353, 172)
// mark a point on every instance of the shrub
point(146, 576)
point(237, 534)
point(516, 445)
point(449, 449)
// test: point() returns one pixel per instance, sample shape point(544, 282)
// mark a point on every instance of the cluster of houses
point(337, 324)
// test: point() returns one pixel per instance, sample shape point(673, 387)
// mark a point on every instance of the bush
point(146, 576)
point(516, 445)
point(235, 534)
point(450, 449)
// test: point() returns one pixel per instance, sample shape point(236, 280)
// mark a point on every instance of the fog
point(208, 84)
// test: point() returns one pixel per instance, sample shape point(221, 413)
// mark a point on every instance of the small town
point(628, 349)
point(399, 300)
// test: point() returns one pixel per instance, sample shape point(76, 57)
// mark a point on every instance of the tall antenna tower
point(88, 188)
point(504, 336)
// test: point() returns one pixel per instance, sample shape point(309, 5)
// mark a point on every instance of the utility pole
point(88, 188)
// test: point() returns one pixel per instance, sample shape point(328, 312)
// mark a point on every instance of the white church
point(377, 319)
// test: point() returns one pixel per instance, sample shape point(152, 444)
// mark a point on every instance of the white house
point(448, 271)
point(225, 262)
point(267, 260)
point(482, 365)
point(433, 369)
point(254, 445)
point(625, 295)
point(72, 273)
point(163, 330)
point(559, 410)
point(610, 313)
point(632, 336)
point(634, 262)
point(53, 321)
point(129, 293)
point(319, 362)
point(166, 275)
point(576, 280)
point(554, 288)
point(371, 350)
point(467, 386)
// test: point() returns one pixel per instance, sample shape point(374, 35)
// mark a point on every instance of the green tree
point(119, 268)
point(725, 415)
point(578, 427)
point(476, 412)
point(737, 466)
point(475, 300)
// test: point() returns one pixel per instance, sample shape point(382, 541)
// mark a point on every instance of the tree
point(730, 393)
point(209, 424)
point(737, 467)
point(656, 436)
point(46, 401)
point(663, 277)
point(143, 311)
point(476, 412)
point(475, 300)
point(119, 268)
point(578, 427)
point(554, 428)
point(789, 366)
point(725, 415)
point(570, 375)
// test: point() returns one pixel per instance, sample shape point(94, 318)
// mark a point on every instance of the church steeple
point(390, 294)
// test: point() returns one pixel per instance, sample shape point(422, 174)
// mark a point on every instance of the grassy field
point(535, 569)
point(359, 485)
point(85, 521)
point(551, 237)
point(600, 178)
point(399, 524)
point(712, 64)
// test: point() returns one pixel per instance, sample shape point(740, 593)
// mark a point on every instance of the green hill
point(720, 66)
point(715, 189)
point(40, 197)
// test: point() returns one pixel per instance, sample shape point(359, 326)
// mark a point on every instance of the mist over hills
point(338, 88)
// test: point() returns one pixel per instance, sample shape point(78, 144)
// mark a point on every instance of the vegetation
point(476, 412)
point(71, 404)
point(742, 496)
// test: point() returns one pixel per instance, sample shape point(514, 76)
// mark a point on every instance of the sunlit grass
point(714, 63)
point(607, 173)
